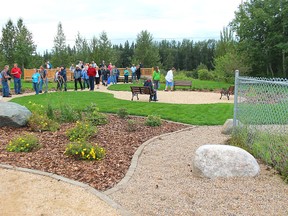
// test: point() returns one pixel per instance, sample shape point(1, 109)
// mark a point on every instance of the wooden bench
point(141, 90)
point(182, 83)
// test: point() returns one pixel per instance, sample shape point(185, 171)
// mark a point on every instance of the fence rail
point(51, 73)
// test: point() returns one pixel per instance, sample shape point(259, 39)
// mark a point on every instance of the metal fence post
point(236, 98)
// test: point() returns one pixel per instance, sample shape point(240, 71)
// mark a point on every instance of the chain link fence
point(261, 119)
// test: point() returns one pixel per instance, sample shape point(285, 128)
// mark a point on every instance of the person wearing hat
point(77, 77)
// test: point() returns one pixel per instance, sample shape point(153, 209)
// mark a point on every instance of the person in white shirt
point(169, 79)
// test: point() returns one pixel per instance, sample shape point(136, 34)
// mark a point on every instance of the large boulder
point(13, 114)
point(213, 161)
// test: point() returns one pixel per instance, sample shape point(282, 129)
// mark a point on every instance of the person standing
point(72, 68)
point(138, 72)
point(133, 70)
point(85, 77)
point(36, 80)
point(44, 79)
point(63, 77)
point(169, 79)
point(105, 73)
point(97, 77)
point(126, 75)
point(4, 81)
point(91, 73)
point(156, 78)
point(113, 75)
point(16, 73)
point(77, 77)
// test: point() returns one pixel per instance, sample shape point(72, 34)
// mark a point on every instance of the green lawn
point(194, 114)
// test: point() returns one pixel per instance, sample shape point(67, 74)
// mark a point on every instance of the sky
point(123, 20)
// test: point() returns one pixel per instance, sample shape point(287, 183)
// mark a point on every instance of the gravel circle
point(163, 182)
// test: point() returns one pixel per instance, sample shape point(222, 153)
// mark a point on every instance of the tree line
point(255, 42)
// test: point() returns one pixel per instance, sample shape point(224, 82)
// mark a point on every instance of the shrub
point(132, 125)
point(40, 122)
point(204, 74)
point(122, 113)
point(67, 114)
point(83, 150)
point(93, 115)
point(153, 121)
point(81, 131)
point(23, 143)
point(50, 112)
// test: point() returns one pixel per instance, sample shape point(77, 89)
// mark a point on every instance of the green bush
point(83, 150)
point(122, 113)
point(23, 143)
point(41, 122)
point(68, 114)
point(153, 121)
point(204, 74)
point(81, 131)
point(132, 125)
point(93, 115)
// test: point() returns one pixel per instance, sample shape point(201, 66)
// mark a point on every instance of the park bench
point(182, 83)
point(136, 90)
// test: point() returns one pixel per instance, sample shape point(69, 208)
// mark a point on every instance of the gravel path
point(24, 194)
point(163, 183)
point(179, 97)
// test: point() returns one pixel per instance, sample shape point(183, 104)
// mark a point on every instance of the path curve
point(177, 97)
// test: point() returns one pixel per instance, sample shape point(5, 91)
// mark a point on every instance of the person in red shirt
point(16, 73)
point(91, 72)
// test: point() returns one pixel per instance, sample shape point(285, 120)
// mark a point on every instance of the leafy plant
point(93, 115)
point(23, 143)
point(153, 121)
point(41, 122)
point(122, 113)
point(85, 151)
point(132, 125)
point(68, 114)
point(81, 131)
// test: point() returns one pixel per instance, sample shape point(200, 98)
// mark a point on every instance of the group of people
point(91, 74)
point(85, 75)
point(154, 84)
point(5, 77)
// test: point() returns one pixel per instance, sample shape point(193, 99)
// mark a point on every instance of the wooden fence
point(147, 72)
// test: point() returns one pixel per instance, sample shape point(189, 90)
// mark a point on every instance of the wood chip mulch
point(120, 145)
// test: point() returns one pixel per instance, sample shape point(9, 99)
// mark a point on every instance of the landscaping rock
point(228, 127)
point(213, 161)
point(13, 114)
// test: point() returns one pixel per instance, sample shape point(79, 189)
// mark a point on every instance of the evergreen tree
point(8, 42)
point(146, 50)
point(59, 50)
point(24, 45)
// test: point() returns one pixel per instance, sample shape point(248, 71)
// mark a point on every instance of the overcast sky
point(121, 20)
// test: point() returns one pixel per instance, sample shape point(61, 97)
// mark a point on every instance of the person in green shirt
point(126, 75)
point(156, 78)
